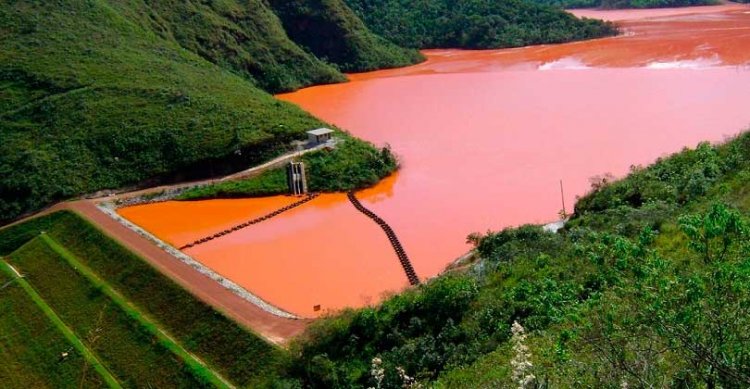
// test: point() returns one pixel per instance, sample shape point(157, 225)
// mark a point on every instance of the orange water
point(178, 223)
point(484, 138)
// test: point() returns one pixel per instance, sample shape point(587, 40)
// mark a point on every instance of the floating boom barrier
point(249, 223)
point(400, 252)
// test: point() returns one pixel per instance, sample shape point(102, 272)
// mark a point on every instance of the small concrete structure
point(296, 178)
point(318, 136)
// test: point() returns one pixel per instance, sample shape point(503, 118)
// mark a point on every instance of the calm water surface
point(484, 138)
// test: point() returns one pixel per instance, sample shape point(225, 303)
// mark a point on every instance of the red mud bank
point(484, 138)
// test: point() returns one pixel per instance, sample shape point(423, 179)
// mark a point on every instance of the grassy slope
point(330, 30)
point(77, 343)
point(580, 294)
point(245, 37)
point(92, 100)
point(239, 355)
point(353, 164)
point(602, 299)
point(125, 347)
point(607, 340)
point(195, 366)
point(474, 24)
point(30, 346)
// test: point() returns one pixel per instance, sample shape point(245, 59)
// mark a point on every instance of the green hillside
point(105, 94)
point(647, 286)
point(90, 99)
point(119, 308)
point(330, 30)
point(477, 24)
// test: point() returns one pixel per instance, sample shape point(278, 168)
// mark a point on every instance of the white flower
point(377, 371)
point(406, 381)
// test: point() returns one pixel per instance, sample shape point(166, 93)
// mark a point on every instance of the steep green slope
point(244, 37)
point(649, 285)
point(239, 355)
point(330, 30)
point(474, 23)
point(130, 352)
point(90, 99)
point(31, 345)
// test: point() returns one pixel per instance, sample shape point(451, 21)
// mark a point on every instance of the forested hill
point(330, 30)
point(248, 38)
point(477, 24)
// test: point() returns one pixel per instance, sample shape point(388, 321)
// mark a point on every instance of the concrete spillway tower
point(295, 176)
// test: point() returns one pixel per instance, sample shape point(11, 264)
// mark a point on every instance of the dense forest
point(647, 286)
point(617, 4)
point(331, 31)
point(107, 94)
point(474, 24)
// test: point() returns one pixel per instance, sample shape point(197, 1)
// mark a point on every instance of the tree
point(704, 314)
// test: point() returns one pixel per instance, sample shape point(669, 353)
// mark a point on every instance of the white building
point(319, 135)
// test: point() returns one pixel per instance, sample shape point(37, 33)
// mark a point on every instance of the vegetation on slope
point(330, 30)
point(269, 183)
point(615, 4)
point(31, 345)
point(126, 348)
point(648, 285)
point(90, 99)
point(474, 24)
point(239, 355)
point(353, 164)
point(245, 37)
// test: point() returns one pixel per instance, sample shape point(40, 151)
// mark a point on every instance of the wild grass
point(197, 367)
point(95, 96)
point(239, 355)
point(268, 183)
